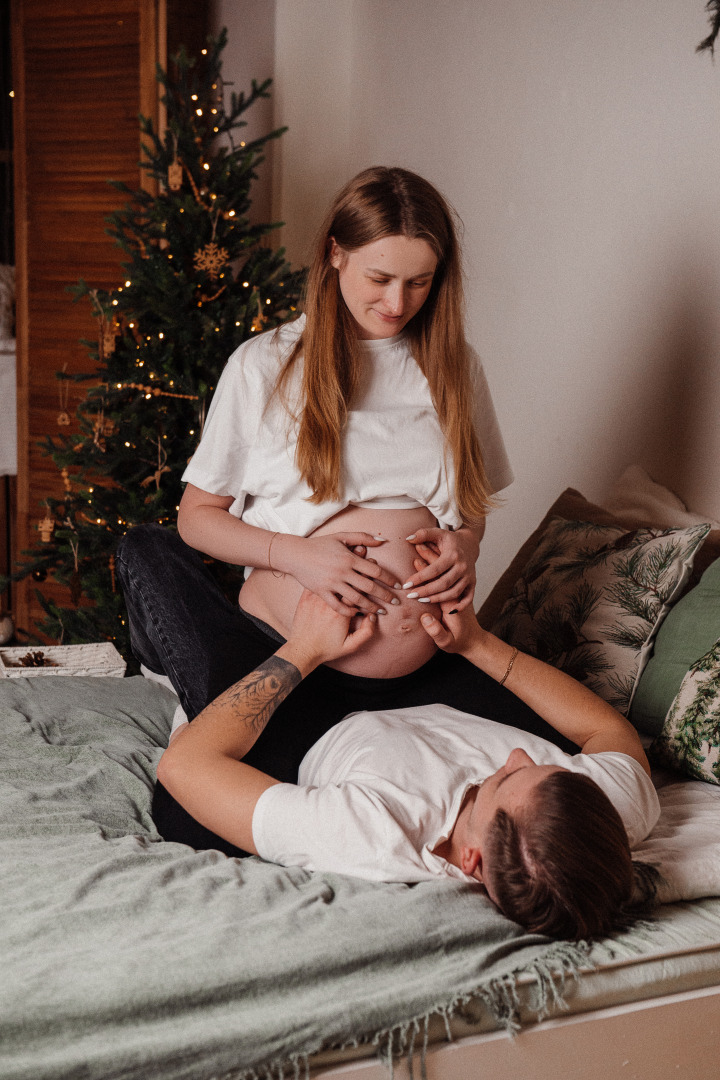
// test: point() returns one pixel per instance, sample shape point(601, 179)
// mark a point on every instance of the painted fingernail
point(394, 600)
point(381, 611)
point(411, 537)
point(407, 585)
point(412, 596)
point(424, 600)
point(379, 538)
point(397, 585)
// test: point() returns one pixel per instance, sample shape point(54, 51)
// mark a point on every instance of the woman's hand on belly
point(328, 566)
point(445, 568)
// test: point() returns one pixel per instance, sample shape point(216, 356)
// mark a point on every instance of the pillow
point(575, 507)
point(691, 627)
point(690, 738)
point(591, 597)
point(635, 497)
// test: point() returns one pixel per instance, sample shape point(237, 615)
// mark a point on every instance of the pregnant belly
point(399, 644)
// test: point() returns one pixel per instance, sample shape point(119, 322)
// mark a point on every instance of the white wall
point(580, 144)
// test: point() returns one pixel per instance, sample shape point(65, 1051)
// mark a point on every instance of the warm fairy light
point(237, 323)
point(128, 284)
point(213, 195)
point(131, 325)
point(148, 396)
point(161, 336)
point(231, 213)
point(91, 489)
point(203, 52)
point(216, 129)
point(127, 443)
point(12, 93)
point(198, 112)
point(246, 284)
point(193, 97)
point(206, 166)
point(214, 112)
point(242, 143)
point(114, 303)
point(267, 301)
point(192, 431)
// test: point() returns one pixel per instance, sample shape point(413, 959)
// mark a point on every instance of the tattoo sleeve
point(254, 699)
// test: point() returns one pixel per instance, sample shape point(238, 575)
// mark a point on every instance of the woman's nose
point(395, 300)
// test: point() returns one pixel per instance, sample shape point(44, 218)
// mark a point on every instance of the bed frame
point(668, 1038)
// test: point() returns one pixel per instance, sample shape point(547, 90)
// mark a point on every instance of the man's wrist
point(304, 658)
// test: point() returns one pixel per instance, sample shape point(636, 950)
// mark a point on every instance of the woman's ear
point(336, 254)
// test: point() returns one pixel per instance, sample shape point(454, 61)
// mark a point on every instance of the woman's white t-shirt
point(380, 790)
point(393, 449)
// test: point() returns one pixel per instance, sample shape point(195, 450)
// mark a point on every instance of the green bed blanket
point(122, 956)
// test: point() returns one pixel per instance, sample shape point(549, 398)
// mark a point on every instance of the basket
point(97, 659)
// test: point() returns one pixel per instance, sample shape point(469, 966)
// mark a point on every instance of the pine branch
point(713, 6)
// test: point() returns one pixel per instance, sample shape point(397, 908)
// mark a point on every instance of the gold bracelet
point(509, 668)
point(276, 573)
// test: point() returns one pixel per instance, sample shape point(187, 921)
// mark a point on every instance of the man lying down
point(413, 794)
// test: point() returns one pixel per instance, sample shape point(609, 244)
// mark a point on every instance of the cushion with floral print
point(591, 598)
point(690, 738)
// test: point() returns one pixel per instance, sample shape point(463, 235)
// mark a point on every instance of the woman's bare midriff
point(399, 644)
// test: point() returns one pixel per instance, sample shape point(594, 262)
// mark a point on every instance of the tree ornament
point(211, 259)
point(7, 628)
point(175, 171)
point(66, 479)
point(64, 394)
point(110, 331)
point(46, 529)
point(162, 468)
point(75, 579)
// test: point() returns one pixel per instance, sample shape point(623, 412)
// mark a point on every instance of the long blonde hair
point(382, 202)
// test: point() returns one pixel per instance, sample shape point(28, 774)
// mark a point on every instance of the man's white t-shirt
point(380, 790)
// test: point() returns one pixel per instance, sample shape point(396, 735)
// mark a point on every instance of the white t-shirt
point(393, 449)
point(380, 790)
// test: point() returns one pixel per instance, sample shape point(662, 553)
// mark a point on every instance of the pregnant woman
point(338, 451)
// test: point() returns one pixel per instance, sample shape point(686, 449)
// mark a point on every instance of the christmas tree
point(198, 280)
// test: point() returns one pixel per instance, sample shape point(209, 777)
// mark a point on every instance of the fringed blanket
point(126, 957)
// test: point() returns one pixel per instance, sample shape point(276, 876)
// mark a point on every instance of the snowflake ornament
point(211, 260)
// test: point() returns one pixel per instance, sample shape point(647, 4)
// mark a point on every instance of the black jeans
point(182, 626)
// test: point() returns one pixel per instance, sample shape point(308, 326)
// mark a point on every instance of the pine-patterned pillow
point(592, 597)
point(690, 738)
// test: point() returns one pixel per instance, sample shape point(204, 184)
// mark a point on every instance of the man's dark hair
point(562, 866)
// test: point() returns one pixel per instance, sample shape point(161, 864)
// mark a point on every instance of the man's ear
point(471, 861)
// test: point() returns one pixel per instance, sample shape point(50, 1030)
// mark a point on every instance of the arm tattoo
point(255, 698)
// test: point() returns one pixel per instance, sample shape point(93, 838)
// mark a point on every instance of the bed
point(127, 957)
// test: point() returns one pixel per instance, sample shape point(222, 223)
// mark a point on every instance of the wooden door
point(82, 72)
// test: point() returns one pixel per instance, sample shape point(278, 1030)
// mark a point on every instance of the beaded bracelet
point(509, 667)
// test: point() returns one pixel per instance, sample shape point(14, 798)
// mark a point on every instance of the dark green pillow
point(690, 629)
